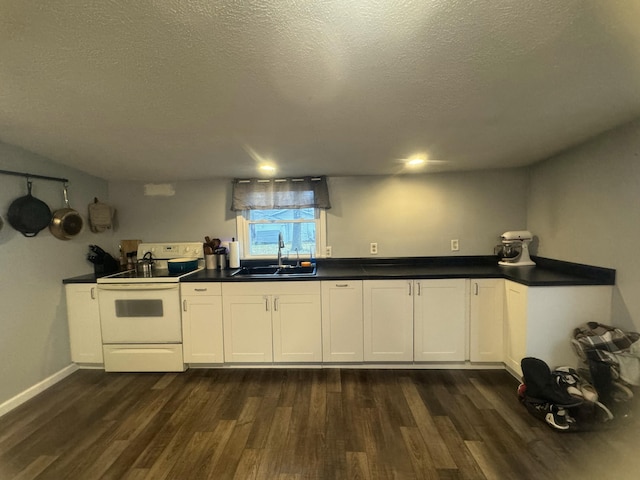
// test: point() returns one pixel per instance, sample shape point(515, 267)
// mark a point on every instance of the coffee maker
point(514, 249)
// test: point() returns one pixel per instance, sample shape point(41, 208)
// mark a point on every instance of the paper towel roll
point(234, 254)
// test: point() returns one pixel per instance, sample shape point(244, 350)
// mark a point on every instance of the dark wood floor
point(299, 424)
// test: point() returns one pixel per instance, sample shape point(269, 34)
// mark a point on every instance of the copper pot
point(66, 223)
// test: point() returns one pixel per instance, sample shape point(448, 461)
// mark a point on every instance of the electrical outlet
point(455, 246)
point(373, 249)
point(327, 252)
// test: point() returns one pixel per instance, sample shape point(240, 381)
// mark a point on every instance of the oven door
point(140, 313)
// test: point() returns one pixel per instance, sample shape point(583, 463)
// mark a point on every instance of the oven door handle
point(138, 286)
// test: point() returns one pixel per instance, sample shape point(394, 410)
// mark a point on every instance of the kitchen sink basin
point(275, 270)
point(287, 270)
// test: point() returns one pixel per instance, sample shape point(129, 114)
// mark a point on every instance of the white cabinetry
point(83, 315)
point(423, 320)
point(486, 325)
point(515, 327)
point(440, 320)
point(539, 321)
point(342, 321)
point(388, 320)
point(272, 321)
point(202, 322)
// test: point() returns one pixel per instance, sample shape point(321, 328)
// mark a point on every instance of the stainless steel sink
point(275, 270)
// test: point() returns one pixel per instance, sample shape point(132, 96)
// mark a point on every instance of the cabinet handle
point(184, 305)
point(409, 288)
point(275, 304)
point(419, 289)
point(476, 286)
point(342, 285)
point(93, 293)
point(266, 304)
point(200, 289)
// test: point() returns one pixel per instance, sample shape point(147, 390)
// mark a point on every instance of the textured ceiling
point(185, 89)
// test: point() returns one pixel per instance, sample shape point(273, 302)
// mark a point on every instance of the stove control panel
point(167, 251)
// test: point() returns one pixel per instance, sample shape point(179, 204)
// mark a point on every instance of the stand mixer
point(514, 249)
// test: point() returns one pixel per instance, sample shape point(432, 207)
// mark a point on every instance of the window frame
point(242, 229)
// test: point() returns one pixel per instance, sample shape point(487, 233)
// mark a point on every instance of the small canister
point(210, 261)
point(221, 261)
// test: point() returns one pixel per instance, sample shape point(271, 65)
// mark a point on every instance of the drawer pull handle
point(342, 285)
point(93, 293)
point(409, 288)
point(275, 304)
point(200, 289)
point(184, 305)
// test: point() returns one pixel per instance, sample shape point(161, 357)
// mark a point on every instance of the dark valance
point(267, 194)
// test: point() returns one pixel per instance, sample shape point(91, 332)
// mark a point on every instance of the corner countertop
point(547, 272)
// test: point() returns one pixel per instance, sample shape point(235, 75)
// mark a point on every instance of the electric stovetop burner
point(160, 254)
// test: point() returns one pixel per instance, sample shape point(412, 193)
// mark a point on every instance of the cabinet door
point(83, 315)
point(297, 328)
point(486, 312)
point(388, 320)
point(515, 325)
point(202, 329)
point(440, 320)
point(247, 328)
point(342, 324)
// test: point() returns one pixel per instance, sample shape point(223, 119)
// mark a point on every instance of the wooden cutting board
point(129, 246)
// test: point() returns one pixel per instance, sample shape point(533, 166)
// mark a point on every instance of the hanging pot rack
point(32, 175)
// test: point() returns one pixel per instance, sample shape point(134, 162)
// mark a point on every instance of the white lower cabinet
point(388, 320)
point(440, 320)
point(486, 324)
point(342, 321)
point(83, 315)
point(515, 327)
point(421, 320)
point(272, 322)
point(202, 336)
point(539, 321)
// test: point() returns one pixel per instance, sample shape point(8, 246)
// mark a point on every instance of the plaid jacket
point(603, 342)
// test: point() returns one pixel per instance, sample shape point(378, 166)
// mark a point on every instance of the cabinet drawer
point(278, 287)
point(200, 288)
point(143, 358)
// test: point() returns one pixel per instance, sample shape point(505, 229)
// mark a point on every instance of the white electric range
point(140, 314)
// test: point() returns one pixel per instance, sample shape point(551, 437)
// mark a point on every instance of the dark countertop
point(547, 272)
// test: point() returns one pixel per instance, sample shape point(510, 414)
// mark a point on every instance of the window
point(302, 231)
point(294, 208)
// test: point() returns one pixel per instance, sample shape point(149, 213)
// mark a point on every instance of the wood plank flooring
point(301, 424)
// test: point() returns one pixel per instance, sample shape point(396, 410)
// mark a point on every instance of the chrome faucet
point(280, 247)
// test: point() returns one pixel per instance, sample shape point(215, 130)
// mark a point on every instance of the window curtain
point(267, 194)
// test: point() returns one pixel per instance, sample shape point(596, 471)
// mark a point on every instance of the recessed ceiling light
point(267, 168)
point(415, 162)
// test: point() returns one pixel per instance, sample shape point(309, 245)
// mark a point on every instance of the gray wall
point(420, 215)
point(196, 209)
point(406, 215)
point(34, 339)
point(584, 207)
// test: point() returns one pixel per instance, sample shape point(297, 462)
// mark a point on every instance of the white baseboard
point(34, 390)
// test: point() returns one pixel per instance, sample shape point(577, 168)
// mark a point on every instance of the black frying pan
point(28, 214)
